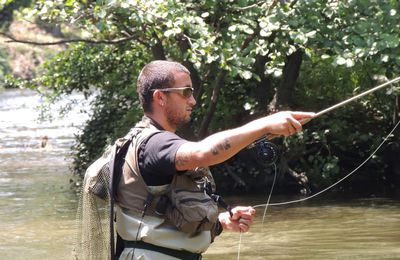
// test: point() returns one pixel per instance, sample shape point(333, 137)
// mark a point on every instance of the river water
point(38, 206)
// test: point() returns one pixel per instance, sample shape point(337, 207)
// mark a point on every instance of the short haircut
point(156, 75)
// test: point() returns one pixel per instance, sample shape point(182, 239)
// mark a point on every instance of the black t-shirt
point(156, 157)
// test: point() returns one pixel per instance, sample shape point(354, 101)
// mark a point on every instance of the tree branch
point(129, 33)
point(300, 178)
point(250, 38)
point(13, 39)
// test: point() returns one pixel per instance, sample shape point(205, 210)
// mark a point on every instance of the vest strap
point(180, 254)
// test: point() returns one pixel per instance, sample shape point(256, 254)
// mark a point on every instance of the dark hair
point(156, 75)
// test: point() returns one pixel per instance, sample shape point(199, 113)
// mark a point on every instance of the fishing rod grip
point(305, 120)
point(302, 122)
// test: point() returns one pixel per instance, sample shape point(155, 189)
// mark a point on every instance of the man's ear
point(158, 97)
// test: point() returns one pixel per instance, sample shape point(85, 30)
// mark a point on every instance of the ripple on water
point(6, 193)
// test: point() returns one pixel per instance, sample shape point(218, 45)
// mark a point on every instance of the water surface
point(37, 204)
point(319, 229)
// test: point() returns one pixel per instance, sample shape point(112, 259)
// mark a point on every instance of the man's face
point(179, 108)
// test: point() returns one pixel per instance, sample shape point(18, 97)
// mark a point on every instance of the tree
point(246, 58)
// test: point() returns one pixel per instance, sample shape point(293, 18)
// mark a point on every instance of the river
point(38, 206)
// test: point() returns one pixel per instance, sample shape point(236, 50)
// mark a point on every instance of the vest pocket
point(192, 211)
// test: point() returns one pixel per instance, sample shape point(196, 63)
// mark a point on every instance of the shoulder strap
point(111, 192)
point(115, 165)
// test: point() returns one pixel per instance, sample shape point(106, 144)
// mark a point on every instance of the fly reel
point(264, 151)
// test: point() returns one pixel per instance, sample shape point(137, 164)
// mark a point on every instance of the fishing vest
point(181, 215)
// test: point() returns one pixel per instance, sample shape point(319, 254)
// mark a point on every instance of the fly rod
point(326, 110)
point(356, 97)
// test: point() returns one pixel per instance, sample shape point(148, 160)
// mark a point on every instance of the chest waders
point(188, 203)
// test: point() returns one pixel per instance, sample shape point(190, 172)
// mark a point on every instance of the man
point(163, 171)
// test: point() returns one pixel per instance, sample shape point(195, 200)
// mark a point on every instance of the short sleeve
point(156, 158)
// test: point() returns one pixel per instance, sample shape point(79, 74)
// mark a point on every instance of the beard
point(177, 119)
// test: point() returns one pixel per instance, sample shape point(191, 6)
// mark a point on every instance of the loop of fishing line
point(336, 183)
point(348, 175)
point(316, 194)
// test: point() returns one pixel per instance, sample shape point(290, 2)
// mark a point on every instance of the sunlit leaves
point(249, 40)
point(339, 60)
point(349, 31)
point(3, 3)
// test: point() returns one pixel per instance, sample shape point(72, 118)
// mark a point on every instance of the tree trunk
point(217, 84)
point(186, 131)
point(265, 90)
point(396, 113)
point(283, 100)
point(283, 96)
point(158, 49)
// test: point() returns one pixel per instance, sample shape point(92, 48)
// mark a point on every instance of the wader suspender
point(116, 163)
point(115, 166)
point(111, 188)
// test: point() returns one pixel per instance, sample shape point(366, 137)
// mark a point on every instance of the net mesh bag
point(93, 214)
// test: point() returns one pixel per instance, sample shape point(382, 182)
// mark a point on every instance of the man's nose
point(192, 100)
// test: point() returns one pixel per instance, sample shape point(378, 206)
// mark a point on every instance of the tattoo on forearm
point(223, 146)
point(182, 158)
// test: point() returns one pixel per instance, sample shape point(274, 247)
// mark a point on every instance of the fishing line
point(240, 243)
point(348, 175)
point(270, 193)
point(336, 183)
point(265, 210)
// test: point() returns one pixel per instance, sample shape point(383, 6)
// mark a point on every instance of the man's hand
point(241, 219)
point(286, 122)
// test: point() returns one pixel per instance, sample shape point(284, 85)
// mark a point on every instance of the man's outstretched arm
point(223, 145)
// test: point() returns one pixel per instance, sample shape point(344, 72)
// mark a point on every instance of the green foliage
point(238, 53)
point(339, 141)
point(7, 8)
point(112, 118)
point(4, 65)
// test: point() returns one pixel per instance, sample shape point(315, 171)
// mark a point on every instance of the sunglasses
point(187, 92)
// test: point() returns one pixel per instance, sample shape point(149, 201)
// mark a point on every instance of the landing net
point(93, 215)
